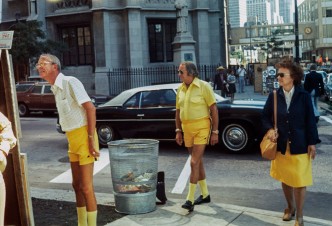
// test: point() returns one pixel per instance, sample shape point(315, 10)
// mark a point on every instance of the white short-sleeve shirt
point(69, 95)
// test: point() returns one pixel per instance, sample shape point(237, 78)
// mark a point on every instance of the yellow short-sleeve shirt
point(194, 102)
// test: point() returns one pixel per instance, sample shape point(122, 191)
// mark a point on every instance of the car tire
point(105, 134)
point(23, 110)
point(236, 138)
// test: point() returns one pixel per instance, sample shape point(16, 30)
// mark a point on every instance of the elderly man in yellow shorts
point(197, 118)
point(77, 117)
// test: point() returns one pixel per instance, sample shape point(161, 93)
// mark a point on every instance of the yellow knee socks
point(92, 218)
point(82, 216)
point(191, 193)
point(204, 189)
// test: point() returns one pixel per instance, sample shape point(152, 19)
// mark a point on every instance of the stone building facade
point(107, 34)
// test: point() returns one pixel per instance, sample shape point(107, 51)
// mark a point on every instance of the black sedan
point(149, 112)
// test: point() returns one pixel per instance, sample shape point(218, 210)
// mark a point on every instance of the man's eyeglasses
point(181, 72)
point(282, 74)
point(43, 64)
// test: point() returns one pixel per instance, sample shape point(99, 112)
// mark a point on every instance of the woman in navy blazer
point(296, 138)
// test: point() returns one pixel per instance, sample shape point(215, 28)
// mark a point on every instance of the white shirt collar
point(58, 81)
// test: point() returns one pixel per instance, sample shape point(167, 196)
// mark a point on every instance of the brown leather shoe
point(299, 222)
point(288, 214)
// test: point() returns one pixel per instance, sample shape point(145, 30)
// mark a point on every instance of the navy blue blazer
point(296, 125)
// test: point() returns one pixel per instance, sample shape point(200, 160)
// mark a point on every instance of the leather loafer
point(201, 200)
point(288, 214)
point(188, 205)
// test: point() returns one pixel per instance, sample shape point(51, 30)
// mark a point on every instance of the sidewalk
point(210, 214)
point(171, 214)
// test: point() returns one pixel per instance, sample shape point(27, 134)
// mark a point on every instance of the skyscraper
point(237, 11)
point(286, 10)
point(261, 9)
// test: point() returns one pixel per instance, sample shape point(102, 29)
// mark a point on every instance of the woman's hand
point(312, 151)
point(272, 135)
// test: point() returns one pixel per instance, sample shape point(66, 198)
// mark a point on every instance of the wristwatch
point(178, 130)
point(215, 131)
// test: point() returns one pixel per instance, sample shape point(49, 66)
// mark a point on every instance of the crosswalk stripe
point(66, 178)
point(180, 184)
point(326, 119)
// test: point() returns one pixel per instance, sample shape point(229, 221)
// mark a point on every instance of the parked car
point(37, 96)
point(149, 112)
point(328, 87)
point(98, 99)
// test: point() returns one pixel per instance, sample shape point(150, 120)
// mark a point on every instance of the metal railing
point(120, 79)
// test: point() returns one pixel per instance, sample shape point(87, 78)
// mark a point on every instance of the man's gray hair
point(52, 58)
point(191, 68)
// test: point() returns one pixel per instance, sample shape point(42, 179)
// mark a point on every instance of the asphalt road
point(233, 179)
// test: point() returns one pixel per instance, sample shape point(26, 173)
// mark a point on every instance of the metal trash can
point(134, 169)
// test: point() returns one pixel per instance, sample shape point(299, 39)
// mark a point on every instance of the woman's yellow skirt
point(292, 170)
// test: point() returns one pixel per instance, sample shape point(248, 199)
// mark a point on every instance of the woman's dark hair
point(295, 69)
point(191, 68)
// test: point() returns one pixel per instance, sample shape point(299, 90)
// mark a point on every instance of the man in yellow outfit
point(197, 118)
point(77, 117)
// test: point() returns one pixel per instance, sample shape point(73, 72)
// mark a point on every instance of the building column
point(135, 58)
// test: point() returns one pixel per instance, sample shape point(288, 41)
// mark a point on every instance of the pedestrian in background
point(197, 117)
point(314, 84)
point(231, 79)
point(241, 72)
point(7, 142)
point(220, 81)
point(77, 116)
point(296, 140)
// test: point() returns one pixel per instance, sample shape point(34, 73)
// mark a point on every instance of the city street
point(233, 179)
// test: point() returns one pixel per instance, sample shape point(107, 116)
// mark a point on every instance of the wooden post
point(18, 202)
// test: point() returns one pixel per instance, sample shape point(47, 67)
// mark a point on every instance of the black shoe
point(317, 119)
point(200, 200)
point(188, 205)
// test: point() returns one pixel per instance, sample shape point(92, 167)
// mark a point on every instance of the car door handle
point(140, 115)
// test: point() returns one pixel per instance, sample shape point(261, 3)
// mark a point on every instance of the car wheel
point(105, 134)
point(23, 110)
point(235, 137)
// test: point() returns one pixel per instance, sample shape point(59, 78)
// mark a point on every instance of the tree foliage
point(29, 42)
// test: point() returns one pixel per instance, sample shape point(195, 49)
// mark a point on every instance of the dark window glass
point(47, 89)
point(78, 40)
point(329, 13)
point(161, 35)
point(37, 89)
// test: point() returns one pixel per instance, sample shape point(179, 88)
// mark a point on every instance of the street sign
point(6, 39)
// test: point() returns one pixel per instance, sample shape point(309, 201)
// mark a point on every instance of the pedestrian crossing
point(66, 177)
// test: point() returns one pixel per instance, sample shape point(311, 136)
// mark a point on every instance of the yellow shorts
point(78, 146)
point(196, 132)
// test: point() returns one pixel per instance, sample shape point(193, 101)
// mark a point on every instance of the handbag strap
point(275, 108)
